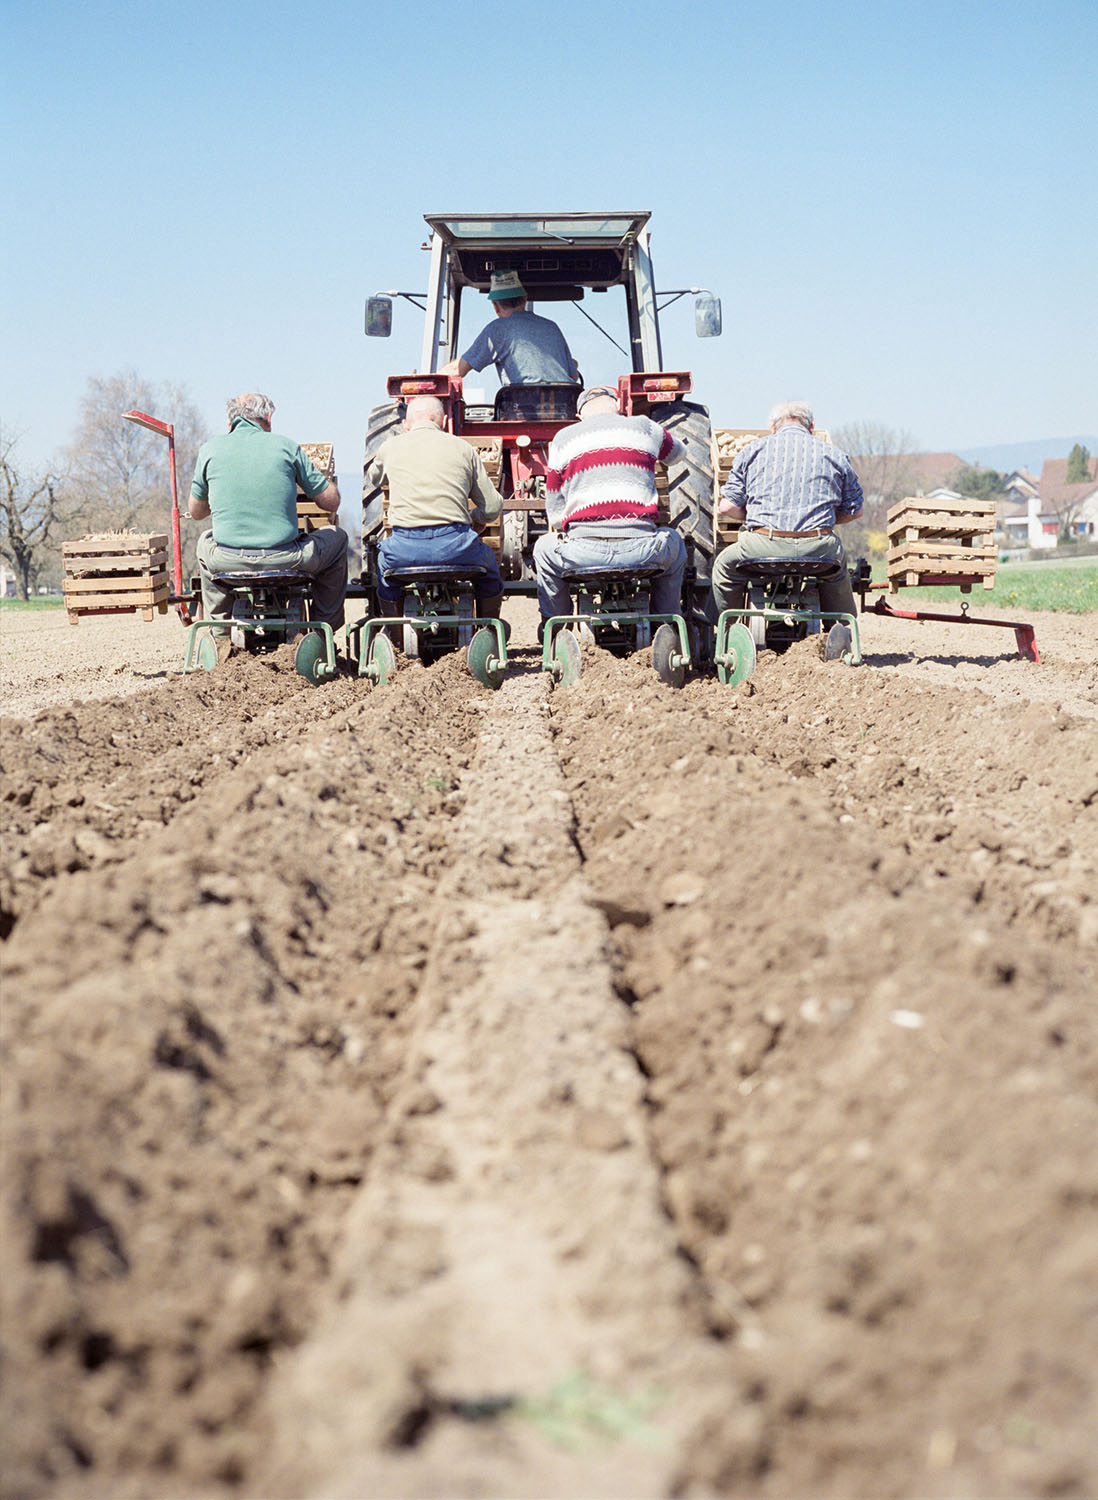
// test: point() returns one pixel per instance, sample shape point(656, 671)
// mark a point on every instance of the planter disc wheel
point(665, 646)
point(740, 649)
point(206, 655)
point(382, 658)
point(568, 663)
point(839, 642)
point(482, 650)
point(311, 658)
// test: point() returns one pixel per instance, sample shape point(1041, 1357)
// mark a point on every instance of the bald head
point(424, 409)
point(596, 401)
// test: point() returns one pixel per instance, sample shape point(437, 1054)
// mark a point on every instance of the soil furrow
point(510, 1235)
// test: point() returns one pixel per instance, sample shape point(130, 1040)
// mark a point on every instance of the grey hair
point(253, 406)
point(796, 411)
point(424, 409)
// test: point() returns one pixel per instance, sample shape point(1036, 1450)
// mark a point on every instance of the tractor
point(560, 259)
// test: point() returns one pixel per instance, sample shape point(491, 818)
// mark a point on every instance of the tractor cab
point(583, 270)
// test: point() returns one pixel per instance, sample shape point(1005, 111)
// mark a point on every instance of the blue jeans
point(320, 555)
point(428, 546)
point(609, 544)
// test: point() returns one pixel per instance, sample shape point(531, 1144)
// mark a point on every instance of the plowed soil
point(581, 1092)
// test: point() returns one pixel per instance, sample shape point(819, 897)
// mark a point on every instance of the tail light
point(418, 385)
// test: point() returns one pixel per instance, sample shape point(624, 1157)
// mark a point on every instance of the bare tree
point(120, 470)
point(883, 459)
point(33, 509)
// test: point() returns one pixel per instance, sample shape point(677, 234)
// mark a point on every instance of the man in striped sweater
point(600, 497)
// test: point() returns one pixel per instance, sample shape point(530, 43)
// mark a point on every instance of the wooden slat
point(941, 566)
point(75, 567)
point(940, 526)
point(923, 508)
point(89, 603)
point(116, 584)
point(114, 542)
point(933, 550)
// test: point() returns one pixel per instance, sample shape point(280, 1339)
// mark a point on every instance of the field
point(588, 1092)
point(1070, 588)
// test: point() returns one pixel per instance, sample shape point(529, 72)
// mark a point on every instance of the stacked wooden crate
point(309, 514)
point(491, 455)
point(116, 572)
point(727, 443)
point(934, 539)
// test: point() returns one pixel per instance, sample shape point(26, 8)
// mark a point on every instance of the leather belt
point(772, 531)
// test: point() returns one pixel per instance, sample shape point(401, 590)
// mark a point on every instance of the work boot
point(488, 609)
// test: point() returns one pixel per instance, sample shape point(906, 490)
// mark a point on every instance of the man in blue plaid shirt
point(789, 490)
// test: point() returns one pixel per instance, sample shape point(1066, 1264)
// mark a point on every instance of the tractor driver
point(601, 500)
point(789, 489)
point(431, 476)
point(247, 479)
point(525, 348)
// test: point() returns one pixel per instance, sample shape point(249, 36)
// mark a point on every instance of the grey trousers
point(729, 590)
point(320, 555)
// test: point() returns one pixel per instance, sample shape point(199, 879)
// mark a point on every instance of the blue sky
point(895, 202)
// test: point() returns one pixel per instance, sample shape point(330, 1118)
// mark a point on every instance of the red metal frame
point(1023, 633)
point(642, 389)
point(166, 429)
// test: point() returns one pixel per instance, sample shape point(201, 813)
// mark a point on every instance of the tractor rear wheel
point(691, 485)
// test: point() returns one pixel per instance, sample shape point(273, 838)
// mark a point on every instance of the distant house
point(1021, 486)
point(1074, 506)
point(1030, 524)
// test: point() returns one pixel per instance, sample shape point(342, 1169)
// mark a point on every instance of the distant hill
point(1006, 457)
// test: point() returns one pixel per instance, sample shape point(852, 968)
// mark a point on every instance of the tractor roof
point(555, 254)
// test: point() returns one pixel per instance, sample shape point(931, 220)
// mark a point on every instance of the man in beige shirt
point(431, 477)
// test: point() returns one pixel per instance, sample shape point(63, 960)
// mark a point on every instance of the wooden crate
point(116, 572)
point(952, 541)
point(310, 516)
point(491, 455)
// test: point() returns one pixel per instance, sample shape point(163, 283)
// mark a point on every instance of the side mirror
point(707, 315)
point(379, 317)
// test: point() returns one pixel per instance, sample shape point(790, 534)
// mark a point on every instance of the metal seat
point(602, 576)
point(767, 568)
point(435, 573)
point(537, 403)
point(251, 577)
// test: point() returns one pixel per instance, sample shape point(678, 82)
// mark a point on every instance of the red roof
point(919, 473)
point(1053, 488)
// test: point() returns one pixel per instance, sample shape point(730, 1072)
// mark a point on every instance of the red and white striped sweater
point(604, 469)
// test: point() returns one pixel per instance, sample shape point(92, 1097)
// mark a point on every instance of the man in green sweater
point(247, 480)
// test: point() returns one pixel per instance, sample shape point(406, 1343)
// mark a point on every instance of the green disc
point(382, 658)
point(566, 658)
point(739, 648)
point(482, 650)
point(667, 656)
